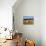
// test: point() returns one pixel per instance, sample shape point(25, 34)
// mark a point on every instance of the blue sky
point(27, 17)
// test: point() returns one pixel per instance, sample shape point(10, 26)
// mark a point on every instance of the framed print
point(28, 20)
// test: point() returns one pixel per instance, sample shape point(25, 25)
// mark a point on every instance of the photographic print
point(28, 20)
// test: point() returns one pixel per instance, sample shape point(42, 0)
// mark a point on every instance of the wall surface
point(29, 8)
point(6, 16)
point(36, 8)
point(6, 13)
point(43, 22)
point(6, 19)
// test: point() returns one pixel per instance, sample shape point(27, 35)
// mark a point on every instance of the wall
point(6, 17)
point(6, 13)
point(43, 22)
point(28, 8)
